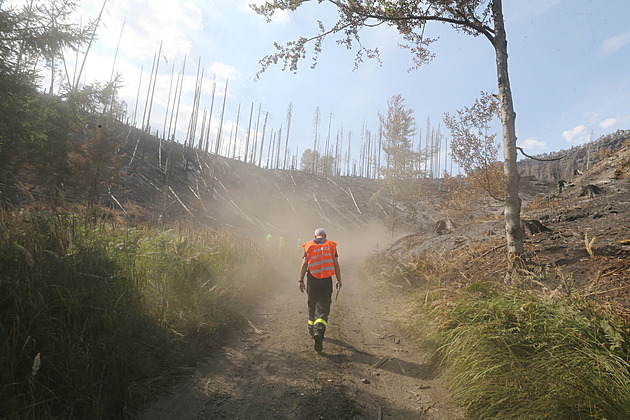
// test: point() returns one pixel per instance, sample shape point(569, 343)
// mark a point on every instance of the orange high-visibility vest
point(320, 258)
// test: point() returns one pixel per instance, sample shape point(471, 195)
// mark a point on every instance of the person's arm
point(337, 272)
point(302, 274)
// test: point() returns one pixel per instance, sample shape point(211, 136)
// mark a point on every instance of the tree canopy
point(398, 128)
point(398, 132)
point(44, 138)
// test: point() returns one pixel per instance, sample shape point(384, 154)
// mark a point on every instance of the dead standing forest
point(104, 219)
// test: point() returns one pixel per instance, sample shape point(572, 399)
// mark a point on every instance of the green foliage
point(94, 317)
point(409, 18)
point(398, 132)
point(35, 127)
point(474, 147)
point(509, 354)
point(96, 162)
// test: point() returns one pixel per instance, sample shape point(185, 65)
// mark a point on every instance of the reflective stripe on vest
point(320, 257)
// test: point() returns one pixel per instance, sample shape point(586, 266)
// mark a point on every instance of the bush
point(510, 354)
point(95, 317)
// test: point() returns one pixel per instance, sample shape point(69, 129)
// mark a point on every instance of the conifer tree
point(399, 129)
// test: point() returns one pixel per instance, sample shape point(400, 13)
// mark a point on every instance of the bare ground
point(368, 370)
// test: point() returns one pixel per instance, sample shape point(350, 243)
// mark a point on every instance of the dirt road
point(270, 371)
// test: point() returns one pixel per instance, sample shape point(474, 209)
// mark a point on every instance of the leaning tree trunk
point(513, 232)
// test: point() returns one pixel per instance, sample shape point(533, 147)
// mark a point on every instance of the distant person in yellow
point(319, 264)
point(269, 241)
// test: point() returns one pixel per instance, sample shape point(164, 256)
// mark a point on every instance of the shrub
point(94, 317)
point(510, 354)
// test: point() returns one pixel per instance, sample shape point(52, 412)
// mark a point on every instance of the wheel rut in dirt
point(270, 370)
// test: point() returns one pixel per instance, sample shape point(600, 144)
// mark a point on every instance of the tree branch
point(487, 32)
point(520, 149)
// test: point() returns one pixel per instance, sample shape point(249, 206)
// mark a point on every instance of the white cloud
point(608, 122)
point(281, 17)
point(612, 45)
point(147, 23)
point(578, 134)
point(534, 145)
point(223, 71)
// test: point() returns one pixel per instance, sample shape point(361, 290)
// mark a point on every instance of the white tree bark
point(513, 232)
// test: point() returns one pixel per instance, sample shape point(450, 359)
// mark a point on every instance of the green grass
point(512, 354)
point(509, 353)
point(94, 318)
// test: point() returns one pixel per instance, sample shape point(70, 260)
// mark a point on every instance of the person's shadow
point(390, 363)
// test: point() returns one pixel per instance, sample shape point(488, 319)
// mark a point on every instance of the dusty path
point(366, 371)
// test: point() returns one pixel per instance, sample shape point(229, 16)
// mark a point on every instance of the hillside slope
point(163, 182)
point(584, 245)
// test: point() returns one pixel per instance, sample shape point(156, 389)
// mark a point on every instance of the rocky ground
point(584, 244)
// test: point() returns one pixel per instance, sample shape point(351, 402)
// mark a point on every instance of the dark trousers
point(319, 298)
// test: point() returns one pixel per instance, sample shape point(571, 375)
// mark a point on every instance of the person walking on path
point(319, 264)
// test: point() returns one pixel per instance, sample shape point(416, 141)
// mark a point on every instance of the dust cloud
point(280, 210)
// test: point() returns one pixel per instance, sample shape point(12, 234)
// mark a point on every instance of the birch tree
point(411, 18)
point(474, 147)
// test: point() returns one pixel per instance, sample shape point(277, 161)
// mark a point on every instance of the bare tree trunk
point(135, 110)
point(262, 140)
point(249, 129)
point(286, 142)
point(419, 163)
point(277, 165)
point(349, 153)
point(255, 142)
point(111, 76)
point(168, 103)
point(270, 148)
point(339, 155)
point(426, 148)
point(229, 145)
point(445, 153)
point(214, 88)
point(218, 145)
point(286, 150)
point(192, 124)
point(146, 101)
point(95, 26)
point(238, 117)
point(316, 121)
point(202, 135)
point(513, 232)
point(178, 97)
point(157, 66)
point(380, 148)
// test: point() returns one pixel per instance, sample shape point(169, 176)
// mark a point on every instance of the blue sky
point(568, 62)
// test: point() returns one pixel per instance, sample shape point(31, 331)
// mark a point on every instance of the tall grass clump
point(95, 317)
point(513, 354)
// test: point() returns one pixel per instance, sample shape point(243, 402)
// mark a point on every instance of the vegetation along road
point(367, 370)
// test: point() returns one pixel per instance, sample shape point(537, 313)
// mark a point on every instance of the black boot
point(319, 340)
